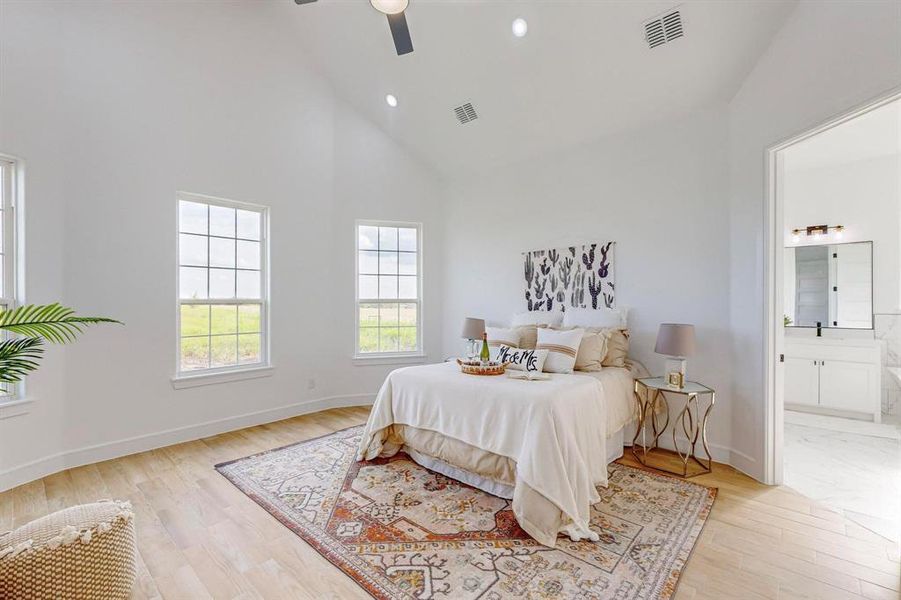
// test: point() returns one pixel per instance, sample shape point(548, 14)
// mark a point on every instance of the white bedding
point(619, 398)
point(554, 430)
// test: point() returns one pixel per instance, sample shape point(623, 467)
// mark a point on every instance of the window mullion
point(239, 301)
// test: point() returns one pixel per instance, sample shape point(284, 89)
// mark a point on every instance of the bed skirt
point(614, 446)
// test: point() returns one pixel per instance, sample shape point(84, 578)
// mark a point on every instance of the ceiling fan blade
point(401, 33)
point(303, 1)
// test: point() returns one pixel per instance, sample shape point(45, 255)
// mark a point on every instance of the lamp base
point(471, 349)
point(674, 368)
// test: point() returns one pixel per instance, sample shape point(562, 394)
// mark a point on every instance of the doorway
point(834, 315)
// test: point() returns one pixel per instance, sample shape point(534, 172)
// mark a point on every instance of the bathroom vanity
point(829, 290)
point(840, 377)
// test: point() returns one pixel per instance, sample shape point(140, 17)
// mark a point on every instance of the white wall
point(208, 98)
point(864, 197)
point(828, 58)
point(659, 193)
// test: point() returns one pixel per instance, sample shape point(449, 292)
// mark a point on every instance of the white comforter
point(555, 430)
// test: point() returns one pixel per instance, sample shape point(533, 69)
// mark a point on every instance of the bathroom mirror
point(830, 284)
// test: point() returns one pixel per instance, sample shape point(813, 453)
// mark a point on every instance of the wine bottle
point(485, 356)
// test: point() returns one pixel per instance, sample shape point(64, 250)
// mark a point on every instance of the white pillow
point(608, 318)
point(522, 359)
point(552, 318)
point(562, 347)
point(498, 336)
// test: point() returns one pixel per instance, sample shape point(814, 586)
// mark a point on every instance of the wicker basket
point(477, 368)
point(81, 552)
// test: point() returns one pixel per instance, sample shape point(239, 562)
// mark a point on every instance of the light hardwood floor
point(199, 537)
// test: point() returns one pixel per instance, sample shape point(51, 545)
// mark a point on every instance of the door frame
point(774, 331)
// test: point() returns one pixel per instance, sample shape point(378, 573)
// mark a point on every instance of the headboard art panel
point(573, 276)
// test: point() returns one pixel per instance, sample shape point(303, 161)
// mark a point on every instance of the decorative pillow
point(602, 317)
point(592, 350)
point(522, 359)
point(562, 347)
point(501, 336)
point(528, 335)
point(538, 317)
point(617, 348)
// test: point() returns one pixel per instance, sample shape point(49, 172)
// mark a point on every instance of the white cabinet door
point(847, 385)
point(801, 381)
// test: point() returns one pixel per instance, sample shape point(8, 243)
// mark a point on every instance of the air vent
point(663, 29)
point(466, 113)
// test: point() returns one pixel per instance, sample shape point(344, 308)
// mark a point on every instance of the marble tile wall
point(888, 329)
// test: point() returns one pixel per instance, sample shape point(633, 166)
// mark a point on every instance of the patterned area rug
point(402, 531)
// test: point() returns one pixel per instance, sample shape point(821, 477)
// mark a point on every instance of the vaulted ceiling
point(583, 71)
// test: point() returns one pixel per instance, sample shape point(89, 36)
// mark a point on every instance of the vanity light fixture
point(818, 231)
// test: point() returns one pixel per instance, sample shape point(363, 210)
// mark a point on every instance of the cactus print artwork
point(576, 276)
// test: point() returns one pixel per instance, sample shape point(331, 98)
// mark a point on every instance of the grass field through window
point(219, 335)
point(388, 327)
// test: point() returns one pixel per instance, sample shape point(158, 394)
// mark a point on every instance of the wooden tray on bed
point(477, 368)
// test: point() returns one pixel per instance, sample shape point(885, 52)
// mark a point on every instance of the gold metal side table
point(653, 406)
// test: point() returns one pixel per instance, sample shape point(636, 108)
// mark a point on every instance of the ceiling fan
point(397, 21)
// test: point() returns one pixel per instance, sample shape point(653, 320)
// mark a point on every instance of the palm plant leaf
point(53, 322)
point(19, 357)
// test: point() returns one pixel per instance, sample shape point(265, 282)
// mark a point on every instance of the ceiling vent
point(663, 29)
point(466, 113)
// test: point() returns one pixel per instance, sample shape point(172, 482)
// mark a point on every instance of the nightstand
point(653, 406)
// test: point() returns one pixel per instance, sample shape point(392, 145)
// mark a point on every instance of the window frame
point(229, 372)
point(11, 199)
point(381, 356)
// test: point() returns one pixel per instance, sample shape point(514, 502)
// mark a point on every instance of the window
point(389, 308)
point(222, 285)
point(10, 182)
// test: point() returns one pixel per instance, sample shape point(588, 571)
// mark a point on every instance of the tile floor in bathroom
point(851, 466)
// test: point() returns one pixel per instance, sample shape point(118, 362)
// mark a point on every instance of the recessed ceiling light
point(391, 99)
point(389, 7)
point(520, 27)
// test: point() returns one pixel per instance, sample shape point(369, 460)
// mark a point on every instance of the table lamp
point(472, 333)
point(676, 341)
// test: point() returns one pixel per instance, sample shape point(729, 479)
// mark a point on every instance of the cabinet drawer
point(829, 352)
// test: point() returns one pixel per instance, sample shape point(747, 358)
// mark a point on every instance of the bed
point(545, 445)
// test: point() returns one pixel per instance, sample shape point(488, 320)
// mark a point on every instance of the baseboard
point(718, 452)
point(54, 463)
point(747, 465)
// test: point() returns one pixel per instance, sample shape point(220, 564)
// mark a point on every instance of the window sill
point(398, 359)
point(189, 381)
point(14, 408)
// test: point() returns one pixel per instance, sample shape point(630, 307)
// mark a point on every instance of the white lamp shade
point(473, 329)
point(675, 339)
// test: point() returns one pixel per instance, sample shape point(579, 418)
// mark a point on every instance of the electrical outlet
point(311, 384)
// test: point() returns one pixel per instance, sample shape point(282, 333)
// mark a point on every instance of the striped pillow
point(498, 336)
point(562, 347)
